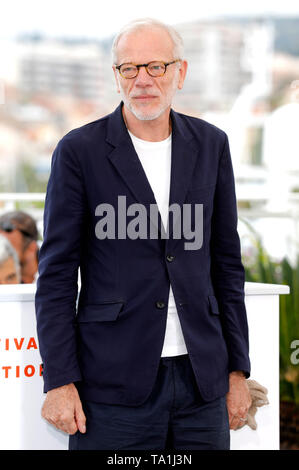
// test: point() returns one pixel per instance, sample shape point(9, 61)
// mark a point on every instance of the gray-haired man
point(157, 355)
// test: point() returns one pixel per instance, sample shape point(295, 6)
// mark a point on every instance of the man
point(157, 355)
point(9, 263)
point(21, 230)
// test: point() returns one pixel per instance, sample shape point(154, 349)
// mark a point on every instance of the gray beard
point(139, 114)
point(149, 117)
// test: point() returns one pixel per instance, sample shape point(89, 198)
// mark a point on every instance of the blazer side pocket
point(99, 312)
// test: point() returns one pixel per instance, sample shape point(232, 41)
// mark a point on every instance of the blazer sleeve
point(227, 270)
point(59, 259)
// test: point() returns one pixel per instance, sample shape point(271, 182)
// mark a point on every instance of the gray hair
point(178, 45)
point(7, 251)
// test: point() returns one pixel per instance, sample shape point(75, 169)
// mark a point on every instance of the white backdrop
point(21, 384)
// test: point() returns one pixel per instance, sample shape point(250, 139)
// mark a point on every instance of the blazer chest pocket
point(214, 308)
point(103, 312)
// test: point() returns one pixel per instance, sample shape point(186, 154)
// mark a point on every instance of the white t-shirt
point(156, 161)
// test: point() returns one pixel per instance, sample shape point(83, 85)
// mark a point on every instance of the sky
point(96, 19)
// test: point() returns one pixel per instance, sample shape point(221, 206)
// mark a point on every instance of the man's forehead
point(145, 44)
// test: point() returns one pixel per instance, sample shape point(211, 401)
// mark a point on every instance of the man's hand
point(238, 399)
point(63, 409)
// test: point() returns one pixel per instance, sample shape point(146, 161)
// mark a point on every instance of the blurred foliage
point(259, 267)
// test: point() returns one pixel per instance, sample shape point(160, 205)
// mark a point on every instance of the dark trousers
point(173, 417)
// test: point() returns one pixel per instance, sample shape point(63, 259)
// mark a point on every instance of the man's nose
point(143, 78)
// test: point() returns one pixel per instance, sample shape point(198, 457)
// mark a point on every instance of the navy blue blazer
point(108, 337)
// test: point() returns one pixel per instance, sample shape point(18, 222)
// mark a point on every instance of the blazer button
point(170, 258)
point(160, 304)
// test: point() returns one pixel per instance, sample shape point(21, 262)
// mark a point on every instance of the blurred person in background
point(21, 230)
point(10, 272)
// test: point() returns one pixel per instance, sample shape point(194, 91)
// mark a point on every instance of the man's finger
point(69, 427)
point(80, 417)
point(236, 422)
point(231, 421)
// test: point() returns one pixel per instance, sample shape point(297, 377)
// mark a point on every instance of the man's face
point(145, 96)
point(8, 272)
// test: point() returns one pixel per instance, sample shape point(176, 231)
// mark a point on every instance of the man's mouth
point(144, 97)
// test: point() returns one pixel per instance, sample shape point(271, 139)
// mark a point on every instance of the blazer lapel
point(126, 161)
point(183, 159)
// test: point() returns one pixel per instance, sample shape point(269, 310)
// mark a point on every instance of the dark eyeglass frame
point(146, 67)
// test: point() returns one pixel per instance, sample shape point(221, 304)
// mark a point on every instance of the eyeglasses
point(9, 227)
point(155, 68)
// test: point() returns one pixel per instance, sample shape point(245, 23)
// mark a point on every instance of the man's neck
point(154, 130)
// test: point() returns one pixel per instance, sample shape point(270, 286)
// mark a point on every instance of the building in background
point(62, 69)
point(223, 58)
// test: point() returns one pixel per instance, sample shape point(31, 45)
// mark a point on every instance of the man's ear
point(183, 71)
point(116, 78)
